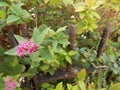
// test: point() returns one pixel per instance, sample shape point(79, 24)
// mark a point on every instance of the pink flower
point(10, 84)
point(26, 48)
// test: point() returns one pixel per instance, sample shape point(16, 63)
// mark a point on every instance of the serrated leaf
point(64, 42)
point(2, 14)
point(59, 86)
point(82, 74)
point(19, 12)
point(61, 29)
point(30, 73)
point(16, 9)
point(35, 33)
point(95, 14)
point(26, 16)
point(11, 51)
point(82, 85)
point(2, 83)
point(15, 62)
point(45, 53)
point(116, 7)
point(69, 86)
point(54, 44)
point(45, 85)
point(97, 4)
point(20, 39)
point(9, 70)
point(54, 3)
point(79, 7)
point(75, 87)
point(115, 86)
point(44, 67)
point(82, 14)
point(12, 19)
point(39, 37)
point(3, 4)
point(68, 59)
point(66, 2)
point(90, 3)
point(71, 53)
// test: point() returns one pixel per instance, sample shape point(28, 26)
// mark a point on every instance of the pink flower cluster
point(10, 84)
point(26, 48)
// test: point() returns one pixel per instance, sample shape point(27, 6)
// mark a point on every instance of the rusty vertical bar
point(72, 38)
point(104, 38)
point(23, 29)
point(11, 37)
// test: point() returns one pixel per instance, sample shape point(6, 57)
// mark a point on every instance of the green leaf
point(11, 51)
point(75, 87)
point(19, 12)
point(79, 7)
point(116, 7)
point(54, 3)
point(26, 16)
point(2, 14)
point(69, 86)
point(2, 50)
point(71, 53)
point(90, 3)
point(61, 29)
point(68, 59)
point(115, 86)
point(66, 2)
point(35, 34)
point(45, 53)
point(35, 57)
point(2, 84)
point(9, 70)
point(12, 19)
point(82, 85)
point(20, 39)
point(34, 64)
point(39, 37)
point(44, 67)
point(54, 44)
point(45, 85)
point(59, 86)
point(82, 14)
point(64, 42)
point(3, 4)
point(42, 27)
point(30, 73)
point(95, 14)
point(82, 74)
point(97, 4)
point(15, 62)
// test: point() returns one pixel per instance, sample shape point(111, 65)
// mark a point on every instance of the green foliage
point(12, 18)
point(47, 59)
point(15, 13)
point(11, 69)
point(88, 15)
point(81, 75)
point(19, 38)
point(59, 86)
point(2, 84)
point(115, 86)
point(11, 51)
point(49, 20)
point(22, 14)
